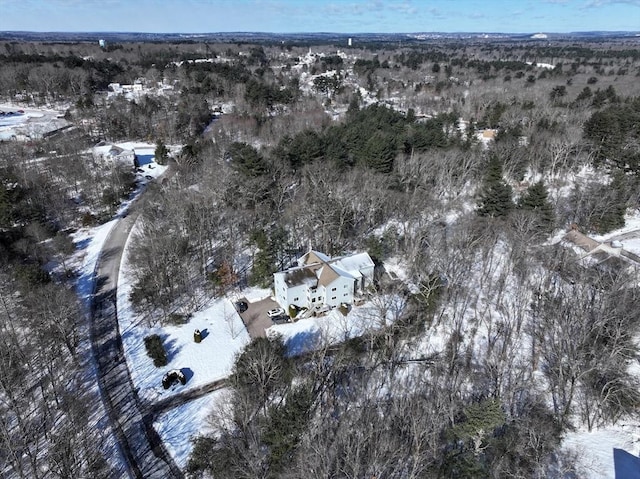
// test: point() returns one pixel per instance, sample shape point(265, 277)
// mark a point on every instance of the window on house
point(345, 285)
point(333, 297)
point(296, 299)
point(346, 294)
point(333, 289)
point(313, 300)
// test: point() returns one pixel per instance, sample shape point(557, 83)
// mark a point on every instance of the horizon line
point(255, 32)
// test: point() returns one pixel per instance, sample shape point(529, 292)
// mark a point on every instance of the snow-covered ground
point(30, 123)
point(88, 243)
point(224, 335)
point(178, 426)
point(595, 448)
point(334, 327)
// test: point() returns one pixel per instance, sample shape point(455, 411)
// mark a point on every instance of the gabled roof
point(327, 275)
point(313, 257)
point(317, 269)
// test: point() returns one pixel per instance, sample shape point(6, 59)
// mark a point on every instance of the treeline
point(48, 428)
point(371, 138)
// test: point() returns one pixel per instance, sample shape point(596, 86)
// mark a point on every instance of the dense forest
point(503, 338)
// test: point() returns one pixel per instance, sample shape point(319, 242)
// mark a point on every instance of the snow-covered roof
point(313, 257)
point(318, 269)
point(354, 264)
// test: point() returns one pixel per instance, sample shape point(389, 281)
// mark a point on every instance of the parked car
point(242, 306)
point(275, 313)
point(280, 319)
point(172, 377)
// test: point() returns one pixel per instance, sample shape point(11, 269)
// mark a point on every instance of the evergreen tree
point(536, 199)
point(612, 215)
point(161, 153)
point(246, 159)
point(495, 197)
point(5, 208)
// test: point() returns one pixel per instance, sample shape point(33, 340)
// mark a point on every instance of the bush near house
point(155, 350)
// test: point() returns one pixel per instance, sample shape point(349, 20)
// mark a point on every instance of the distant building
point(118, 154)
point(539, 36)
point(350, 42)
point(486, 136)
point(102, 43)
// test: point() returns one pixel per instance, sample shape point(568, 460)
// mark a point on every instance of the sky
point(339, 16)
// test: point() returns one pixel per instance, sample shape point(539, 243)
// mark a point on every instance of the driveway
point(581, 240)
point(255, 317)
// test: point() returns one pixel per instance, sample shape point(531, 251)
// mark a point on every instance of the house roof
point(298, 276)
point(318, 269)
point(327, 275)
point(489, 133)
point(313, 257)
point(354, 264)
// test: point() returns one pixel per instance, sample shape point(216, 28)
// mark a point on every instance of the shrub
point(155, 350)
point(88, 219)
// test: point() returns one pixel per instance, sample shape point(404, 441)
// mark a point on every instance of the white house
point(116, 153)
point(320, 281)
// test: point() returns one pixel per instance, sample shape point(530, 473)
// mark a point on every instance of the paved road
point(626, 236)
point(141, 446)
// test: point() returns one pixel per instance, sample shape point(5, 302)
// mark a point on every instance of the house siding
point(320, 281)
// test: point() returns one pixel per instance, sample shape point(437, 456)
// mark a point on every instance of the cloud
point(603, 3)
point(404, 7)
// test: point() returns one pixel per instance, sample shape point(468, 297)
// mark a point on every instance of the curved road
point(142, 448)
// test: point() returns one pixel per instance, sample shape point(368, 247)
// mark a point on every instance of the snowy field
point(178, 426)
point(595, 449)
point(30, 123)
point(224, 335)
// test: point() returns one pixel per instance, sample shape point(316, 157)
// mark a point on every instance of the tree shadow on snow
point(170, 347)
point(82, 244)
point(303, 342)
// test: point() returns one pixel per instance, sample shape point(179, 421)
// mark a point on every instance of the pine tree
point(495, 197)
point(5, 208)
point(612, 215)
point(161, 153)
point(536, 199)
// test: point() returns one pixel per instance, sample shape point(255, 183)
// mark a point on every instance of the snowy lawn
point(178, 426)
point(311, 333)
point(224, 335)
point(595, 449)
